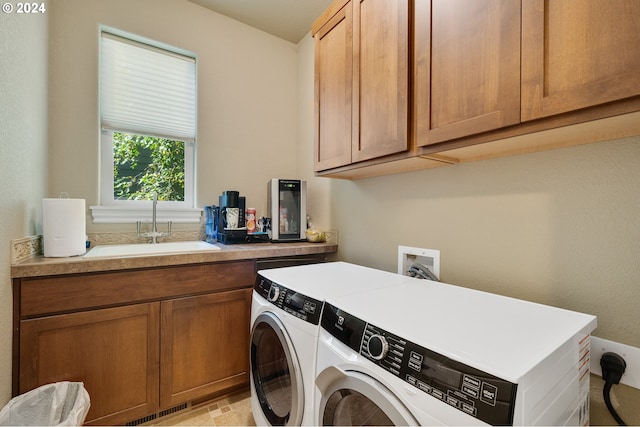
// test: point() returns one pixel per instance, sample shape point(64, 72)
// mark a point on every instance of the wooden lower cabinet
point(204, 345)
point(114, 351)
point(141, 341)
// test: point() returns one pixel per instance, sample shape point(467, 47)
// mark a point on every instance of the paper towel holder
point(63, 227)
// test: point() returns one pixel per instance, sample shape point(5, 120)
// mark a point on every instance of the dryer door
point(355, 399)
point(275, 372)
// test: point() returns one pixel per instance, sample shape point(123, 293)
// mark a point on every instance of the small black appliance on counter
point(221, 224)
point(226, 232)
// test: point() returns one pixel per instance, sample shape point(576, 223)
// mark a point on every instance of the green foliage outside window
point(143, 165)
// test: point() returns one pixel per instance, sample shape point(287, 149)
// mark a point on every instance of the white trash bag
point(58, 404)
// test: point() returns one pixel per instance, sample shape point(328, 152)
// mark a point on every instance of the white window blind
point(147, 90)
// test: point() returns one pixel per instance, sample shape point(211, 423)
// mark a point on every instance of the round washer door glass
point(349, 408)
point(276, 375)
point(356, 399)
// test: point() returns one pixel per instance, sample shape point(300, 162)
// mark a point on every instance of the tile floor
point(232, 410)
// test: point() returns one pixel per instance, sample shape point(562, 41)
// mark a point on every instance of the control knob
point(377, 346)
point(274, 293)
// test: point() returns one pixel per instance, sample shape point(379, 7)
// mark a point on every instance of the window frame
point(111, 210)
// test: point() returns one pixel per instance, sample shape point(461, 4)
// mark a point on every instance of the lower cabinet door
point(204, 345)
point(113, 351)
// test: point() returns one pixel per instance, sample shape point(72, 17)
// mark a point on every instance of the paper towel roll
point(63, 227)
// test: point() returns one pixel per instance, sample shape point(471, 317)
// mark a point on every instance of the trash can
point(59, 404)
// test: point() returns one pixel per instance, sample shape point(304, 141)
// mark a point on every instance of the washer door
point(275, 372)
point(351, 398)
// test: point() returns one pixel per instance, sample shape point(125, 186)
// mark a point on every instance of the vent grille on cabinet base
point(160, 414)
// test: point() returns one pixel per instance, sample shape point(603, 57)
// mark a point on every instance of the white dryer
point(285, 317)
point(426, 353)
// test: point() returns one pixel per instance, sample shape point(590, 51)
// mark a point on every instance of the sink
point(102, 251)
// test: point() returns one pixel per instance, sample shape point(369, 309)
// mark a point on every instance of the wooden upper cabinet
point(381, 78)
point(333, 50)
point(577, 54)
point(466, 68)
point(361, 82)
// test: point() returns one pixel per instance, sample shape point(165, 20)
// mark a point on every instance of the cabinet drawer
point(47, 295)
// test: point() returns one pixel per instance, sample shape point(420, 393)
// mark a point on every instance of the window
point(148, 128)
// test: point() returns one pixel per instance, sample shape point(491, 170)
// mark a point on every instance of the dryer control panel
point(294, 303)
point(470, 390)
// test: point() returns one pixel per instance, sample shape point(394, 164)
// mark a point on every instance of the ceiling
point(288, 19)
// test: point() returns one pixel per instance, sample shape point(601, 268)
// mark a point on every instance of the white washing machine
point(427, 353)
point(285, 317)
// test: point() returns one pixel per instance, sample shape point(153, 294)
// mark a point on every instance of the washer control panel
point(472, 391)
point(294, 303)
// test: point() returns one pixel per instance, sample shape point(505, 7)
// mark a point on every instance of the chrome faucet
point(154, 234)
point(154, 226)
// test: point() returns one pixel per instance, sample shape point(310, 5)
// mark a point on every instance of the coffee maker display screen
point(289, 207)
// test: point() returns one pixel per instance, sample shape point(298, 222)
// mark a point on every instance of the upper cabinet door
point(333, 91)
point(577, 54)
point(466, 69)
point(380, 78)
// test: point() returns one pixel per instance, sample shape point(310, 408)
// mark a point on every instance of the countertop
point(41, 266)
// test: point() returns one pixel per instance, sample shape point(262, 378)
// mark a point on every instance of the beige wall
point(23, 151)
point(247, 96)
point(559, 227)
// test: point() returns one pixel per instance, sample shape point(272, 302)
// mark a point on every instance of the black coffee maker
point(229, 218)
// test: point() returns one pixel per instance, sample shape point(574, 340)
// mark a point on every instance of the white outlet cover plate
point(631, 356)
